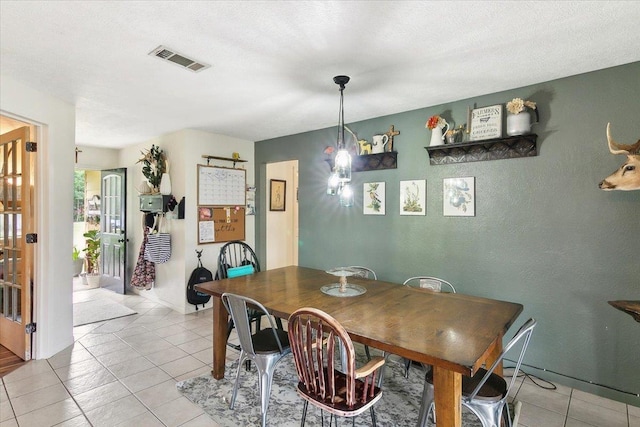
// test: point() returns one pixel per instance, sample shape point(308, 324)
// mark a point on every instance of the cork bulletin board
point(220, 224)
point(221, 204)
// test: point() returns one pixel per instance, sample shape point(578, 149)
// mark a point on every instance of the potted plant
point(92, 239)
point(77, 262)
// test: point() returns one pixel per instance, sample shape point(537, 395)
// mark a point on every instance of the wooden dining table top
point(456, 332)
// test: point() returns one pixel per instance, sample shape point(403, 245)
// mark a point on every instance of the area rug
point(399, 405)
point(98, 310)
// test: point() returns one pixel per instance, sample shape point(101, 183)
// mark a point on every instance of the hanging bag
point(158, 247)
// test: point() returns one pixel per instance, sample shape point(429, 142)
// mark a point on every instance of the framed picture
point(413, 197)
point(486, 123)
point(374, 195)
point(277, 195)
point(459, 196)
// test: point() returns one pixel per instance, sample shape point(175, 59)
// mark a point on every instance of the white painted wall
point(282, 227)
point(184, 149)
point(97, 158)
point(55, 164)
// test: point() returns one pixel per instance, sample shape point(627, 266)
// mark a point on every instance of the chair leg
point(235, 386)
point(367, 352)
point(407, 365)
point(373, 417)
point(304, 412)
point(426, 405)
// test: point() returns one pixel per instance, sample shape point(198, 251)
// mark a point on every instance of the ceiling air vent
point(171, 55)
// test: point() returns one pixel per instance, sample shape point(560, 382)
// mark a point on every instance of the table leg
point(448, 391)
point(493, 356)
point(220, 317)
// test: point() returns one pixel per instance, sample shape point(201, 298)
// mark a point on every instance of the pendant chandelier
point(339, 181)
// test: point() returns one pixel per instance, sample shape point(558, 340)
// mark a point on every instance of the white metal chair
point(265, 348)
point(364, 272)
point(485, 394)
point(429, 283)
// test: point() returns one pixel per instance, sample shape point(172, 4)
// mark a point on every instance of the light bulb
point(343, 165)
point(333, 184)
point(346, 196)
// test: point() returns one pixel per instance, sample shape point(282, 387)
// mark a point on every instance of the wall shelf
point(226, 159)
point(489, 149)
point(378, 161)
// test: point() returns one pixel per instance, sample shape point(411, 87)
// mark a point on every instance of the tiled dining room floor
point(123, 372)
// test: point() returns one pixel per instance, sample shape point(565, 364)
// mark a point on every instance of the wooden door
point(113, 238)
point(17, 238)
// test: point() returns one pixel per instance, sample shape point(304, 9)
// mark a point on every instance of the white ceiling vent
point(171, 55)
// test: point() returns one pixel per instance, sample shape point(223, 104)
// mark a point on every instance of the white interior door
point(282, 226)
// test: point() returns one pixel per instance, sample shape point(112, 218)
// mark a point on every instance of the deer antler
point(617, 148)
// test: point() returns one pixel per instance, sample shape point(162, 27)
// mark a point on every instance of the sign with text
point(220, 224)
point(486, 123)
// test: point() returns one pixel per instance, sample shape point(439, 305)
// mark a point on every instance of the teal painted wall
point(544, 235)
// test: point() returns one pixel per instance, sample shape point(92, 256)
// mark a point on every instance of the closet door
point(17, 238)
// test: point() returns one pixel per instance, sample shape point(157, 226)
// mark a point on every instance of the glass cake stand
point(343, 289)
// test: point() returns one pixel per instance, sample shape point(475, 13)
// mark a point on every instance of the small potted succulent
point(78, 262)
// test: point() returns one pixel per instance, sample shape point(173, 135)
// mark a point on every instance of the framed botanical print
point(459, 196)
point(413, 197)
point(374, 198)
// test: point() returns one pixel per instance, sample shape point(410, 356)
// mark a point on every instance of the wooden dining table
point(455, 333)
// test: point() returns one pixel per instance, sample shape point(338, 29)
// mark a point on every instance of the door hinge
point(30, 328)
point(32, 237)
point(31, 147)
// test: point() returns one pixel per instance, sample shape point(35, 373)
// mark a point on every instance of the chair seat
point(339, 405)
point(264, 342)
point(493, 390)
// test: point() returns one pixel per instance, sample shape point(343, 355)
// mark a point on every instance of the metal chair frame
point(490, 409)
point(418, 278)
point(265, 348)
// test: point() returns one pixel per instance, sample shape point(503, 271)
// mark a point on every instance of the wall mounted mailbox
point(154, 203)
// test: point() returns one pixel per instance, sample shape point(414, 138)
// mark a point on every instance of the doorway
point(282, 225)
point(18, 235)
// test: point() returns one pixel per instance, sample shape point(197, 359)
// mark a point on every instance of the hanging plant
point(153, 165)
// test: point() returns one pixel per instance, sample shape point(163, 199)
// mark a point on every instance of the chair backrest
point(236, 254)
point(236, 305)
point(429, 282)
point(313, 334)
point(524, 333)
point(364, 272)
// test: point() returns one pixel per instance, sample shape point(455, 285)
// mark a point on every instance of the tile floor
point(123, 372)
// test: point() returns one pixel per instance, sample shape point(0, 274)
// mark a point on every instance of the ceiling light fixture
point(341, 174)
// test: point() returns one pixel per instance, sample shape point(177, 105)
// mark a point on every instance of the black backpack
point(198, 275)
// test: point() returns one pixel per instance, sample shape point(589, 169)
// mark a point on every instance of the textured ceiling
point(273, 61)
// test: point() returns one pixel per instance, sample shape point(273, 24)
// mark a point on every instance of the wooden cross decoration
point(77, 151)
point(391, 133)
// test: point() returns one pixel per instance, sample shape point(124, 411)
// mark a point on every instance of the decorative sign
point(486, 123)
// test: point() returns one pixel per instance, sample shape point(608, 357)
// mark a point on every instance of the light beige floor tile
point(634, 410)
point(6, 412)
point(130, 367)
point(146, 419)
point(109, 347)
point(29, 369)
point(77, 369)
point(201, 421)
point(634, 421)
point(159, 311)
point(597, 400)
point(101, 395)
point(196, 345)
point(140, 338)
point(84, 383)
point(66, 357)
point(149, 347)
point(182, 366)
point(145, 379)
point(79, 421)
point(166, 356)
point(182, 337)
point(39, 399)
point(134, 330)
point(91, 340)
point(205, 370)
point(597, 415)
point(535, 416)
point(205, 356)
point(11, 422)
point(159, 394)
point(50, 415)
point(30, 384)
point(177, 412)
point(3, 393)
point(111, 359)
point(576, 423)
point(166, 331)
point(116, 412)
point(546, 399)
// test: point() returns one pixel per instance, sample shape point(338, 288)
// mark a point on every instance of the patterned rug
point(399, 405)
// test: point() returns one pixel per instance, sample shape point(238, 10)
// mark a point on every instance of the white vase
point(437, 136)
point(518, 124)
point(165, 184)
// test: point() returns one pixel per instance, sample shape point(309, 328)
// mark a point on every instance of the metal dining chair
point(265, 348)
point(485, 394)
point(347, 393)
point(365, 273)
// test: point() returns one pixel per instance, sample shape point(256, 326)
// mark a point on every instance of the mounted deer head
point(628, 176)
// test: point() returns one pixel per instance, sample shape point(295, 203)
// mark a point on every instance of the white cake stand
point(343, 289)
